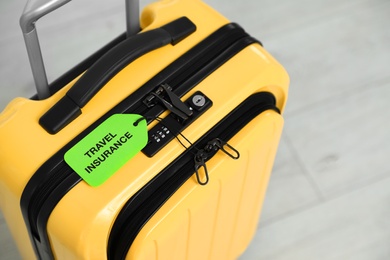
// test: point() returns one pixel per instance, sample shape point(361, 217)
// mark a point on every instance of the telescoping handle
point(34, 10)
point(69, 107)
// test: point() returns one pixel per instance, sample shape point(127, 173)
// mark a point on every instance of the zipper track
point(143, 205)
point(46, 188)
point(42, 194)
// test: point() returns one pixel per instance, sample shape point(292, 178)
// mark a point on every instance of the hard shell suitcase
point(208, 100)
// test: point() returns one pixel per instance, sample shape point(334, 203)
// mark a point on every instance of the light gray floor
point(329, 193)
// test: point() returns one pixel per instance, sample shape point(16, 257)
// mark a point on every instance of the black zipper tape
point(55, 178)
point(143, 205)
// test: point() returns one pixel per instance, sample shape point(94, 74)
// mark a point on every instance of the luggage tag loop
point(138, 121)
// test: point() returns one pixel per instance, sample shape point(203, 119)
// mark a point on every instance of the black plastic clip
point(171, 101)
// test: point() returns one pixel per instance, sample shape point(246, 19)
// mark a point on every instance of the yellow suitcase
point(209, 108)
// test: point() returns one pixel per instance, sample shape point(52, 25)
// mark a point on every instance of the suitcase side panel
point(9, 206)
point(216, 221)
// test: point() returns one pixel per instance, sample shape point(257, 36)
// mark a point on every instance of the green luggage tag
point(108, 147)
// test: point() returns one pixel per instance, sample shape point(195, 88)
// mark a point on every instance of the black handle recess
point(69, 107)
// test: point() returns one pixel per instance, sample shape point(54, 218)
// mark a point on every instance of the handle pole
point(132, 17)
point(34, 10)
point(36, 63)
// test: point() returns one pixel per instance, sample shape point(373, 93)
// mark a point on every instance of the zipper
point(143, 205)
point(55, 178)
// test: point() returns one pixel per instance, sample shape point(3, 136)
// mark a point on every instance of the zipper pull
point(200, 158)
point(225, 147)
point(173, 104)
point(210, 149)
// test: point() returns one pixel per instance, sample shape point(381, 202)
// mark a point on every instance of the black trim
point(47, 186)
point(145, 203)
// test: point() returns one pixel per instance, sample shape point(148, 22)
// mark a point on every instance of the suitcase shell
point(215, 221)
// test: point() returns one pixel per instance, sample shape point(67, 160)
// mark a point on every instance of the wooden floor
point(329, 195)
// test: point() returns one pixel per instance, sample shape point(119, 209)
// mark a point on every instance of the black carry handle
point(69, 107)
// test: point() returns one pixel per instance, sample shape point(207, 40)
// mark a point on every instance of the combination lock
point(169, 127)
